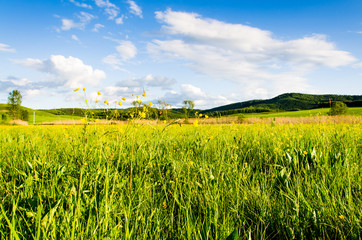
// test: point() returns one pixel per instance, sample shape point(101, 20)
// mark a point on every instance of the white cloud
point(263, 64)
point(6, 48)
point(120, 20)
point(33, 92)
point(109, 8)
point(114, 60)
point(75, 38)
point(68, 24)
point(97, 26)
point(21, 82)
point(201, 99)
point(358, 65)
point(148, 81)
point(135, 9)
point(70, 72)
point(83, 5)
point(126, 50)
point(84, 19)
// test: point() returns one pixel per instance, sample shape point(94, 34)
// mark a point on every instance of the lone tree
point(14, 102)
point(164, 108)
point(338, 108)
point(188, 107)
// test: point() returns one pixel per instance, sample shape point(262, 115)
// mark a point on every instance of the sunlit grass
point(181, 181)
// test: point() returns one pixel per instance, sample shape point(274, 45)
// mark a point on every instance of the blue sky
point(211, 52)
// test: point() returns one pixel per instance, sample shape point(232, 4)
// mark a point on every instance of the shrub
point(338, 108)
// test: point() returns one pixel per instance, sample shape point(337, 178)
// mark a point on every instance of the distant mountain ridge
point(290, 102)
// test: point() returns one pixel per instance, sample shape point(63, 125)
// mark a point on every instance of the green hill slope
point(42, 116)
point(286, 102)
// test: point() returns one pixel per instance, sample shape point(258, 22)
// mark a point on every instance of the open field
point(355, 111)
point(133, 181)
point(42, 116)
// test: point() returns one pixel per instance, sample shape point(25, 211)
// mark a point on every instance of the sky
point(213, 52)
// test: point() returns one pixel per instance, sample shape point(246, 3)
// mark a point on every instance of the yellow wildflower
point(142, 114)
point(77, 89)
point(341, 217)
point(206, 116)
point(124, 99)
point(305, 152)
point(200, 115)
point(164, 205)
point(139, 101)
point(99, 93)
point(97, 100)
point(119, 103)
point(144, 94)
point(84, 89)
point(196, 123)
point(106, 102)
point(150, 104)
point(132, 94)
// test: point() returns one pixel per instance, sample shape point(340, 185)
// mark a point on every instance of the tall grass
point(259, 181)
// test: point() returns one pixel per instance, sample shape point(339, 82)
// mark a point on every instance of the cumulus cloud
point(201, 99)
point(78, 4)
point(126, 50)
point(120, 20)
point(263, 64)
point(84, 19)
point(21, 84)
point(68, 71)
point(6, 48)
point(148, 81)
point(134, 8)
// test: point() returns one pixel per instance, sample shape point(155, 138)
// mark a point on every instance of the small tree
point(14, 103)
point(188, 107)
point(338, 108)
point(164, 108)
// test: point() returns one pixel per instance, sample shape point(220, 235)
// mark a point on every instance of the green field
point(43, 116)
point(356, 111)
point(181, 182)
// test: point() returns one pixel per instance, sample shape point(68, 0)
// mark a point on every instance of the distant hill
point(286, 102)
point(281, 103)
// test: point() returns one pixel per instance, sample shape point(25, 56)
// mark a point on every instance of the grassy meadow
point(134, 181)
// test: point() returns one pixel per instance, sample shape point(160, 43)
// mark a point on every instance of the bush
point(338, 108)
point(3, 118)
point(24, 115)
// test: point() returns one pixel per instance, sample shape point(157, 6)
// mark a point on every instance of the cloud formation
point(263, 64)
point(126, 50)
point(110, 9)
point(84, 19)
point(134, 8)
point(148, 82)
point(83, 5)
point(97, 26)
point(201, 99)
point(70, 72)
point(6, 48)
